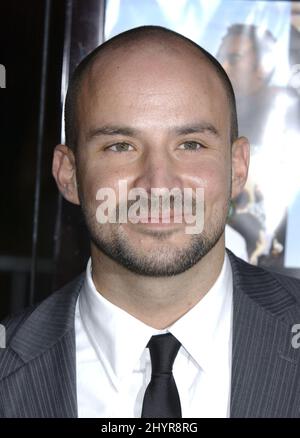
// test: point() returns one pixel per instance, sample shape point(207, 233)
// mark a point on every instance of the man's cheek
point(215, 195)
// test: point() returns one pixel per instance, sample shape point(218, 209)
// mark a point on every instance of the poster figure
point(267, 115)
point(294, 39)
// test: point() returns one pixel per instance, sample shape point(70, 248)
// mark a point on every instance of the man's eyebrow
point(195, 128)
point(111, 130)
point(202, 127)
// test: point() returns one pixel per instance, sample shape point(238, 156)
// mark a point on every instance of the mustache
point(157, 202)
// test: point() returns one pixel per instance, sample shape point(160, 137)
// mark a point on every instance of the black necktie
point(161, 398)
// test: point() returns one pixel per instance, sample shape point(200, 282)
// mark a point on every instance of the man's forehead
point(128, 61)
point(165, 43)
point(169, 96)
point(149, 59)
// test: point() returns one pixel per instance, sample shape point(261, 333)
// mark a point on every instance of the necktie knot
point(161, 399)
point(163, 351)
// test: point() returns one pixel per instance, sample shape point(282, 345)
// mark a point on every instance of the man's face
point(238, 59)
point(139, 112)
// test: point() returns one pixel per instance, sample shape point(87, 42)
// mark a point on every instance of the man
point(163, 323)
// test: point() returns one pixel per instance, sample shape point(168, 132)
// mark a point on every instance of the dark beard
point(119, 251)
point(116, 247)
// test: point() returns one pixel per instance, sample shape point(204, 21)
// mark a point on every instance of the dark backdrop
point(43, 241)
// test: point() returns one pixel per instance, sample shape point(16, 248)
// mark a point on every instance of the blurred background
point(43, 240)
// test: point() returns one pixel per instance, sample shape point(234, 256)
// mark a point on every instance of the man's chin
point(160, 267)
point(155, 256)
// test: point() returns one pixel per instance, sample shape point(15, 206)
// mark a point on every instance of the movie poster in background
point(258, 44)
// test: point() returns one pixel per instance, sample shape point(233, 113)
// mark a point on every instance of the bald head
point(139, 40)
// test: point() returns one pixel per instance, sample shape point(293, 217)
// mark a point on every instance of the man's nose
point(158, 170)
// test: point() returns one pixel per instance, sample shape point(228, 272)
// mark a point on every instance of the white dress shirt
point(113, 365)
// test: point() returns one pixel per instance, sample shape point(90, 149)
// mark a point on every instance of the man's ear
point(64, 172)
point(240, 157)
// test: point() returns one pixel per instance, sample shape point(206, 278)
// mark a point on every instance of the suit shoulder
point(276, 293)
point(248, 268)
point(291, 284)
point(14, 322)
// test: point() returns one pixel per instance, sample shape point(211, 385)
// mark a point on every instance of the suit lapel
point(39, 366)
point(265, 367)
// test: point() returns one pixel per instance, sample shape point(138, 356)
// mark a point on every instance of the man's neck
point(158, 302)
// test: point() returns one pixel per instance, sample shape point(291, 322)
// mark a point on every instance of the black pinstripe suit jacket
point(37, 369)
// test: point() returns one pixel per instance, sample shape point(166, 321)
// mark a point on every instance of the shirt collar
point(209, 322)
point(120, 339)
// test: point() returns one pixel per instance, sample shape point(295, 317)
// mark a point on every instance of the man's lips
point(161, 219)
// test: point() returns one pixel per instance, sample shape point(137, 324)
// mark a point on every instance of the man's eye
point(191, 146)
point(120, 147)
